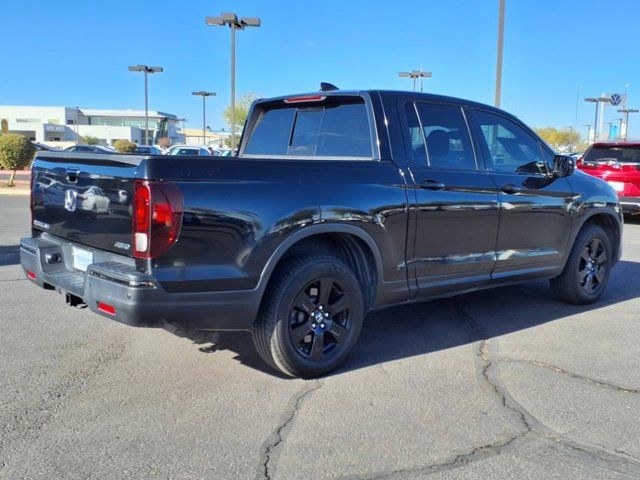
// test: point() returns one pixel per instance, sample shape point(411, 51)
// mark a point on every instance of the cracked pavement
point(506, 383)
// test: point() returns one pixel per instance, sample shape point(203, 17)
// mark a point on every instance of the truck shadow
point(9, 255)
point(395, 333)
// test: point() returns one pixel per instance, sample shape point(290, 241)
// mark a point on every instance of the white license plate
point(81, 258)
point(617, 186)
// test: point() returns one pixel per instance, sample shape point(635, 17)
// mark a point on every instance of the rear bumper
point(630, 205)
point(116, 290)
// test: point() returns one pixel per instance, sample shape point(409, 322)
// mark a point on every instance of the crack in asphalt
point(278, 435)
point(475, 454)
point(597, 456)
point(577, 376)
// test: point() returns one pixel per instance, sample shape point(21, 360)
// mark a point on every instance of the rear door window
point(446, 135)
point(338, 129)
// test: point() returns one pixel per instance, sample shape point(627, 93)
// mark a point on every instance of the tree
point(16, 151)
point(89, 140)
point(124, 146)
point(164, 142)
point(242, 109)
point(562, 140)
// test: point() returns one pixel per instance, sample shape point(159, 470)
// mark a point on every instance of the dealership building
point(56, 125)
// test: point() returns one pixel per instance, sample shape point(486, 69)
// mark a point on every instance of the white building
point(68, 124)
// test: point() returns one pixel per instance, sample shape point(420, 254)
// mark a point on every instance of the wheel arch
point(610, 223)
point(354, 245)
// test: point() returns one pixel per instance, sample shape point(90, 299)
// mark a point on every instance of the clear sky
point(76, 52)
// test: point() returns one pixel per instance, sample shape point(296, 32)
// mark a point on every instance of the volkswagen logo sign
point(615, 99)
point(70, 200)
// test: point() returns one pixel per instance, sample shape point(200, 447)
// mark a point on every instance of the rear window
point(618, 154)
point(339, 128)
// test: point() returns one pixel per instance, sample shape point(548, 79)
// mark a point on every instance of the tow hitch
point(74, 301)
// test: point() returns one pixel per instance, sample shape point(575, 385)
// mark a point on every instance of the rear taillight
point(157, 217)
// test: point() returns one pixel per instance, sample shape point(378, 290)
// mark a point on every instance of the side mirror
point(563, 165)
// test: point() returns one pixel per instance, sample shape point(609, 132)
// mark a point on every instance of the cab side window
point(511, 149)
point(447, 137)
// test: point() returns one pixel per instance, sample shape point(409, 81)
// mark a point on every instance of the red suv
point(619, 165)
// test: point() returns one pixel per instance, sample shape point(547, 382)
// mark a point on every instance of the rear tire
point(586, 273)
point(311, 316)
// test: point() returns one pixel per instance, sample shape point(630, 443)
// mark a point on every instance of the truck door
point(454, 214)
point(535, 206)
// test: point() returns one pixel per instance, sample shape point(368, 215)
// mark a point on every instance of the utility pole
point(588, 125)
point(500, 50)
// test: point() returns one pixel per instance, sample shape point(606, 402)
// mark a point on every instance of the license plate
point(81, 258)
point(617, 186)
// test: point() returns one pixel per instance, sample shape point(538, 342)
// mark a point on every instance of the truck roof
point(386, 93)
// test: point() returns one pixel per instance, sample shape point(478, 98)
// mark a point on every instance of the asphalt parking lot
point(506, 383)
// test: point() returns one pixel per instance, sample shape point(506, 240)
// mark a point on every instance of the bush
point(124, 146)
point(89, 140)
point(16, 151)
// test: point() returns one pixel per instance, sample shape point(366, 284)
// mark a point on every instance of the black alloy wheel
point(592, 266)
point(319, 318)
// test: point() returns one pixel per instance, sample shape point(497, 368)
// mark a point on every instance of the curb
point(14, 191)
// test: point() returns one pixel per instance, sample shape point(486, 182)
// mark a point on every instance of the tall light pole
point(575, 121)
point(588, 125)
point(204, 95)
point(626, 112)
point(146, 69)
point(234, 23)
point(500, 50)
point(415, 74)
point(597, 101)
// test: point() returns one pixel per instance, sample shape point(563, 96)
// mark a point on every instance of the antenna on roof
point(327, 87)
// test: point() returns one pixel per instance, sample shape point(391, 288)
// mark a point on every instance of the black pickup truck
point(337, 203)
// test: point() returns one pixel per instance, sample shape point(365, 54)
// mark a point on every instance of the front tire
point(586, 273)
point(311, 316)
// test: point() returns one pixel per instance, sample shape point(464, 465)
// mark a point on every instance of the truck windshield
point(337, 129)
point(618, 154)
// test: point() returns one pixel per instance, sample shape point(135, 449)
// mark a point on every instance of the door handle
point(510, 188)
point(432, 185)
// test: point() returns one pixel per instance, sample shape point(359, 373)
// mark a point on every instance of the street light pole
point(204, 95)
point(588, 125)
point(415, 74)
point(575, 122)
point(234, 23)
point(500, 50)
point(146, 69)
point(626, 112)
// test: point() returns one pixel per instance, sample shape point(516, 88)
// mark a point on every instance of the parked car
point(89, 149)
point(223, 152)
point(200, 150)
point(618, 163)
point(93, 199)
point(337, 204)
point(148, 150)
point(42, 147)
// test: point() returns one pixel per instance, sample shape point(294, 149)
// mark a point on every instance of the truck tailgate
point(85, 198)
